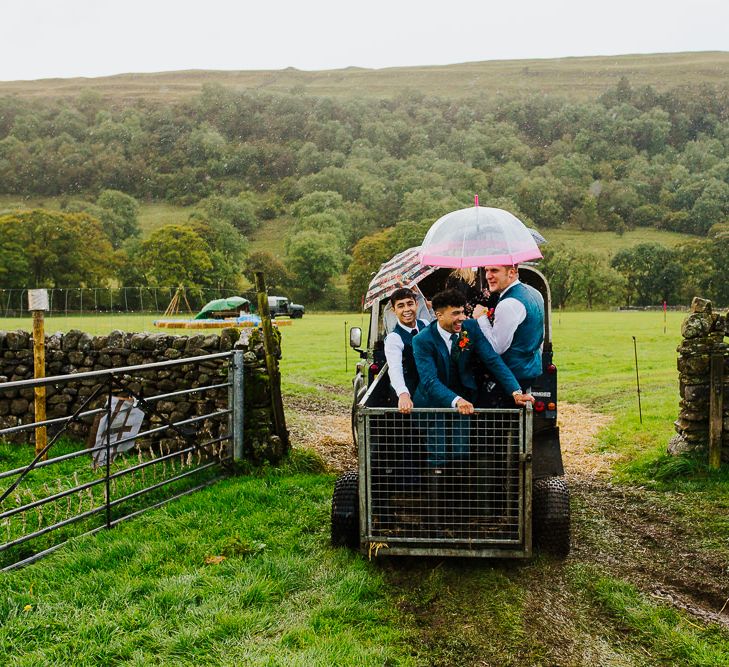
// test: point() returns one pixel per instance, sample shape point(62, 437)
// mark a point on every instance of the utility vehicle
point(438, 483)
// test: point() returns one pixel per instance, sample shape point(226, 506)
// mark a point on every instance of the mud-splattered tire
point(345, 510)
point(551, 516)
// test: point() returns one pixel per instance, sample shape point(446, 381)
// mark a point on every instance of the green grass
point(575, 78)
point(608, 243)
point(144, 594)
point(669, 636)
point(153, 215)
point(270, 237)
point(595, 355)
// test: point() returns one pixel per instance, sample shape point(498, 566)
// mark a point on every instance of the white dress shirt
point(393, 353)
point(446, 336)
point(508, 315)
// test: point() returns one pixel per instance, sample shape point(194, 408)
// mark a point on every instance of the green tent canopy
point(231, 303)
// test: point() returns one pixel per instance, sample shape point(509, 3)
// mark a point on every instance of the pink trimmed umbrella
point(478, 236)
point(403, 270)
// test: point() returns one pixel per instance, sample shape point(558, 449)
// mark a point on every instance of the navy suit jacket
point(433, 362)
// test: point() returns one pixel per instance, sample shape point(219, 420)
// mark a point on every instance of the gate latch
point(525, 457)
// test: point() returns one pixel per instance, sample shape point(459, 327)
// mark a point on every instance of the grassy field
point(593, 351)
point(149, 593)
point(609, 243)
point(576, 78)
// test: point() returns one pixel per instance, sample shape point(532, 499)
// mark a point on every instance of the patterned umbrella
point(403, 270)
point(478, 236)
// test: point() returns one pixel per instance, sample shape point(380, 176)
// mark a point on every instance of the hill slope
point(576, 78)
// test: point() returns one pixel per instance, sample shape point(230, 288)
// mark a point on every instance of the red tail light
point(551, 368)
point(374, 369)
point(539, 406)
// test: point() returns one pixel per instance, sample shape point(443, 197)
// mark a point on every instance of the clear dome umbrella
point(478, 236)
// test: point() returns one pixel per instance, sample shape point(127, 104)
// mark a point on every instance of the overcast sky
point(66, 38)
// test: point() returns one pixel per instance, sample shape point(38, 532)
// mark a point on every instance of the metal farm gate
point(435, 482)
point(139, 460)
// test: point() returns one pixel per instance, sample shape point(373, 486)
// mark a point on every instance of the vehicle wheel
point(296, 315)
point(345, 510)
point(551, 516)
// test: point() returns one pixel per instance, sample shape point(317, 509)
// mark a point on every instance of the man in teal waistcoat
point(517, 331)
point(399, 347)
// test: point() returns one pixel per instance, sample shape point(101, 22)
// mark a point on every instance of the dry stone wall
point(77, 352)
point(703, 334)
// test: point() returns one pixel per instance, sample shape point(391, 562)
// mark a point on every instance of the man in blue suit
point(444, 354)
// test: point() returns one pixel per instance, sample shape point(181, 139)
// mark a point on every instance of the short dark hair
point(449, 297)
point(402, 293)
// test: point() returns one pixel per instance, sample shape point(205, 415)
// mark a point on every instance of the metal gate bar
point(30, 509)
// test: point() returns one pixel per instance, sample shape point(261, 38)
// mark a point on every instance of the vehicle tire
point(345, 510)
point(297, 314)
point(551, 516)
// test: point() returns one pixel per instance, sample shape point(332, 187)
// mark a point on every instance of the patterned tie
point(453, 381)
point(454, 346)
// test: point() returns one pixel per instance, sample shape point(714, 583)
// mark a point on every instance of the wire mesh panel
point(439, 477)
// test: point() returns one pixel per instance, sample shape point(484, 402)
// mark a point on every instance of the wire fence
point(67, 301)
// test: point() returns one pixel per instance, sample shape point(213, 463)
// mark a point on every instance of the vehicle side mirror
point(355, 337)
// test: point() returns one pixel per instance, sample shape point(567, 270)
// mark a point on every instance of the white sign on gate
point(126, 420)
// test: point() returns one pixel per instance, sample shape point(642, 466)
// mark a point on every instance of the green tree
point(367, 255)
point(238, 211)
point(557, 267)
point(314, 258)
point(42, 248)
point(652, 273)
point(594, 281)
point(173, 255)
point(228, 250)
point(275, 271)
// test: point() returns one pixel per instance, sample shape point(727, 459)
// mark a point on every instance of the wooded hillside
point(347, 180)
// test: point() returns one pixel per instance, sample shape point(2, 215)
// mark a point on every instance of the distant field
point(610, 242)
point(575, 78)
point(158, 214)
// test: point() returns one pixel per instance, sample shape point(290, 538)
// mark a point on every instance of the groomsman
point(444, 354)
point(399, 347)
point(517, 332)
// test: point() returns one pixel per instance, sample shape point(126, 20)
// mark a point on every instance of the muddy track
point(629, 533)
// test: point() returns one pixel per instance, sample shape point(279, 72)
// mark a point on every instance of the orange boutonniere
point(464, 341)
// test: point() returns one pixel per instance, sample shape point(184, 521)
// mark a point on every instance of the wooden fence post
point(274, 376)
point(38, 304)
point(716, 409)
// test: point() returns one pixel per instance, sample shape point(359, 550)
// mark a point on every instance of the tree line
point(353, 180)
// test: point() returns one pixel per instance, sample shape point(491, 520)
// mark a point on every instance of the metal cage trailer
point(438, 483)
